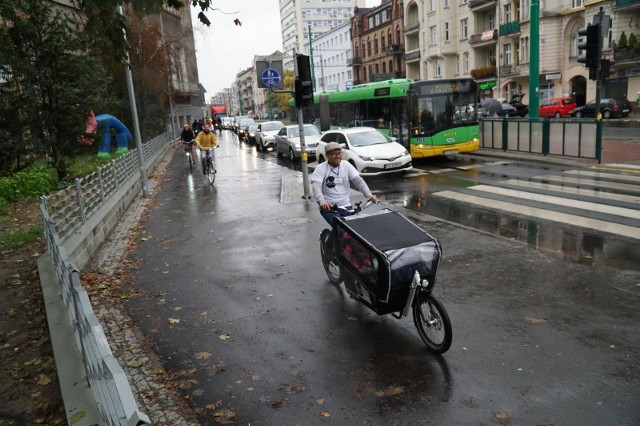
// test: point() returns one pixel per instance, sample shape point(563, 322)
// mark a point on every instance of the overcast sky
point(224, 49)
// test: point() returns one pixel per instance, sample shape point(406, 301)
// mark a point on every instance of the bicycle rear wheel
point(211, 172)
point(432, 321)
point(329, 261)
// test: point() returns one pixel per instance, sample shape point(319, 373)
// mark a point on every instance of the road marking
point(590, 182)
point(543, 214)
point(574, 191)
point(567, 202)
point(614, 176)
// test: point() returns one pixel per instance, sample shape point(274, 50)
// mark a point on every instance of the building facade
point(331, 59)
point(321, 16)
point(378, 42)
point(490, 40)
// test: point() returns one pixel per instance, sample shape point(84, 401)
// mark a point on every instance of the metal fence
point(568, 138)
point(63, 212)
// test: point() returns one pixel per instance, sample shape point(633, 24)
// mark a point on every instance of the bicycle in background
point(188, 149)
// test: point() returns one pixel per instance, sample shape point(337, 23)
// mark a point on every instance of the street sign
point(270, 77)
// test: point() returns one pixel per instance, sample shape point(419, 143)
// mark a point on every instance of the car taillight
point(616, 106)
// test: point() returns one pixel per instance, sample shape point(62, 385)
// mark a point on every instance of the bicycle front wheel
point(211, 173)
point(432, 321)
point(329, 261)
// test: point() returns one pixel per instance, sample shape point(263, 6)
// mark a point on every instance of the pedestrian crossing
point(592, 214)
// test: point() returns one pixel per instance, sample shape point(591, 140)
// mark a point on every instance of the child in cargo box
point(358, 256)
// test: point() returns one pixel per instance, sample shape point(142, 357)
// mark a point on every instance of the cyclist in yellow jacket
point(205, 141)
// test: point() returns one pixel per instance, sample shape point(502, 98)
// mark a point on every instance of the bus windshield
point(435, 109)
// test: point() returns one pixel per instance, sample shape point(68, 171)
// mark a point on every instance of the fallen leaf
point(77, 417)
point(177, 308)
point(353, 318)
point(224, 336)
point(320, 401)
point(43, 379)
point(324, 414)
point(174, 321)
point(279, 404)
point(250, 389)
point(203, 355)
point(502, 418)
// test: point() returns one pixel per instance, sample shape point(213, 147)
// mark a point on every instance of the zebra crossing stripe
point(573, 191)
point(567, 202)
point(544, 214)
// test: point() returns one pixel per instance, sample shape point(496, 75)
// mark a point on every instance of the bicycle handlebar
point(355, 209)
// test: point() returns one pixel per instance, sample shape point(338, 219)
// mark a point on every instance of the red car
point(557, 107)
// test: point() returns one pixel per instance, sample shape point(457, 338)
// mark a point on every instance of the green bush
point(633, 41)
point(4, 206)
point(32, 182)
point(622, 41)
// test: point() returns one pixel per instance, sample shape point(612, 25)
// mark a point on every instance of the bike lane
point(231, 293)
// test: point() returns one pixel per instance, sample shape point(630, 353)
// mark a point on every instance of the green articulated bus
point(430, 118)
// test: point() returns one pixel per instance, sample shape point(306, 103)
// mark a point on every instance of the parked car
point(266, 134)
point(288, 141)
point(557, 107)
point(370, 151)
point(251, 134)
point(243, 127)
point(516, 102)
point(509, 111)
point(609, 107)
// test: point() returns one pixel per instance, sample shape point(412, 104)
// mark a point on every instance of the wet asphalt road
point(231, 292)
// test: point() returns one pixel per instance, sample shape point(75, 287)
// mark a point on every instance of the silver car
point(288, 141)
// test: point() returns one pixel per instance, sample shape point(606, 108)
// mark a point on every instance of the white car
point(266, 134)
point(370, 151)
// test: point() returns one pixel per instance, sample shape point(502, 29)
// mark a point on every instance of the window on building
point(577, 3)
point(433, 38)
point(398, 39)
point(445, 3)
point(382, 43)
point(437, 68)
point(446, 31)
point(389, 38)
point(518, 58)
point(384, 67)
point(492, 21)
point(464, 28)
point(507, 54)
point(525, 10)
point(465, 62)
point(432, 5)
point(375, 44)
point(457, 64)
point(524, 50)
point(368, 47)
point(507, 13)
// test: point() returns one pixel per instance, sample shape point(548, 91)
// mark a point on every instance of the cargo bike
point(388, 264)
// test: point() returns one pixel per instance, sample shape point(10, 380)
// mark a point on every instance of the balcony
point(484, 38)
point(412, 28)
point(626, 5)
point(480, 5)
point(356, 60)
point(509, 70)
point(626, 56)
point(396, 49)
point(412, 56)
point(510, 28)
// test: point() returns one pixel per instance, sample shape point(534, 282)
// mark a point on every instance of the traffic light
point(590, 43)
point(605, 68)
point(303, 83)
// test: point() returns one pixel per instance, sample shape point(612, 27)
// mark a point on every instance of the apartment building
point(378, 42)
point(321, 16)
point(331, 59)
point(245, 82)
point(490, 40)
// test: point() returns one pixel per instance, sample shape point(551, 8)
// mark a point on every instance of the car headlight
point(406, 152)
point(252, 134)
point(365, 158)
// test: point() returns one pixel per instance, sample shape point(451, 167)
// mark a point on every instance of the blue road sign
point(270, 77)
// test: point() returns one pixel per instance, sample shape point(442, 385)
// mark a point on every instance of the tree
point(101, 18)
point(53, 75)
point(282, 99)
